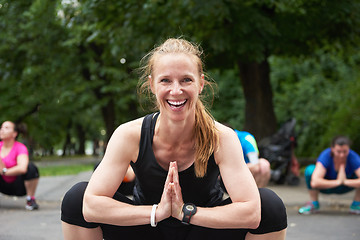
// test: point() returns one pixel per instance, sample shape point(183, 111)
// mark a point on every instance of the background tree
point(244, 34)
point(323, 97)
point(67, 67)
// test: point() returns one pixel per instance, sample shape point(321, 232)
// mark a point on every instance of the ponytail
point(206, 138)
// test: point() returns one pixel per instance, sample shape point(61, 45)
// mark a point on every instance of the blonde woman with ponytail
point(177, 153)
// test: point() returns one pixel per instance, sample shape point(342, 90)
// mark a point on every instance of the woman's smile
point(176, 105)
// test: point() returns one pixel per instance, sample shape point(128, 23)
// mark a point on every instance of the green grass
point(54, 158)
point(64, 170)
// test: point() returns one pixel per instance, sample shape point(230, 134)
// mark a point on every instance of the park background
point(68, 68)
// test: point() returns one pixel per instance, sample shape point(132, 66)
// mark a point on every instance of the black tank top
point(150, 176)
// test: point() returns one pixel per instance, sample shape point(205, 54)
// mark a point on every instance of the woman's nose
point(176, 89)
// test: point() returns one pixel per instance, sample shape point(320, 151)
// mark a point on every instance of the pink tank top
point(11, 159)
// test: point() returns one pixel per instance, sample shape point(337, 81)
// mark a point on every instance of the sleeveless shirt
point(150, 176)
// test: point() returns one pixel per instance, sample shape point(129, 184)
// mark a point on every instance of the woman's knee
point(71, 206)
point(74, 195)
point(308, 173)
point(272, 202)
point(273, 212)
point(309, 170)
point(265, 167)
point(32, 172)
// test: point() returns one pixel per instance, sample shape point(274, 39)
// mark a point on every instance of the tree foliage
point(67, 67)
point(321, 93)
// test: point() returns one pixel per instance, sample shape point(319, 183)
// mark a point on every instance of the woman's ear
point(151, 84)
point(202, 83)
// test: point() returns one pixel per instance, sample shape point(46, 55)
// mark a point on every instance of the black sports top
point(150, 176)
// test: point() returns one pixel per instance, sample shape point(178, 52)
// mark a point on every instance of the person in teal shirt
point(259, 167)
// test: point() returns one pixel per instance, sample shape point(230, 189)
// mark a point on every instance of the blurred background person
point(19, 177)
point(259, 167)
point(337, 171)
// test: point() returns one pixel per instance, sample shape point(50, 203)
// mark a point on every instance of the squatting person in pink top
point(19, 177)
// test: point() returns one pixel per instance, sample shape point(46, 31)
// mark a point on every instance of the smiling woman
point(177, 155)
point(173, 72)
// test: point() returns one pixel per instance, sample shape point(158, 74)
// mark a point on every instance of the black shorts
point(273, 219)
point(17, 188)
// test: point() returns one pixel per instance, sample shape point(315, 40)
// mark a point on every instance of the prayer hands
point(171, 200)
point(341, 174)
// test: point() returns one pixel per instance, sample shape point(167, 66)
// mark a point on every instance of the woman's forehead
point(8, 124)
point(175, 61)
point(340, 147)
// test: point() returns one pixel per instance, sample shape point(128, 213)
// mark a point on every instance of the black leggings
point(17, 188)
point(273, 219)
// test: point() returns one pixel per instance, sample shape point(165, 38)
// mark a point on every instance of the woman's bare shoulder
point(228, 143)
point(124, 141)
point(224, 131)
point(131, 130)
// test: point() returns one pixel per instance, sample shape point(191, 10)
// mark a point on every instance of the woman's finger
point(169, 177)
point(175, 173)
point(176, 200)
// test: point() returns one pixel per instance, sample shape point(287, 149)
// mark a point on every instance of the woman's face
point(177, 82)
point(340, 152)
point(7, 130)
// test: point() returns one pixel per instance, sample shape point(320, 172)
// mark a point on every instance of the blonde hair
point(205, 132)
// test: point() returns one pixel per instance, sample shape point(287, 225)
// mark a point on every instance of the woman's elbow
point(22, 171)
point(87, 210)
point(313, 184)
point(255, 219)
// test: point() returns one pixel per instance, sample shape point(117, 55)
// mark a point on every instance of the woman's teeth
point(176, 103)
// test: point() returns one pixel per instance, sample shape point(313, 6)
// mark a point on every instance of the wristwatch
point(4, 170)
point(189, 210)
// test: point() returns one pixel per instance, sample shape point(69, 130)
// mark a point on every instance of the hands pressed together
point(171, 200)
point(342, 175)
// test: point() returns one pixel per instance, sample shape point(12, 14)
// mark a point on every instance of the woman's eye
point(164, 80)
point(187, 80)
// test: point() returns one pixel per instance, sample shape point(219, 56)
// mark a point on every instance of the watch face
point(189, 207)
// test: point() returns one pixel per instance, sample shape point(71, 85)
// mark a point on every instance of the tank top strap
point(147, 133)
point(153, 120)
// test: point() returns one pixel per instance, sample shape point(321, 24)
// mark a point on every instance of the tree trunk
point(108, 113)
point(107, 110)
point(67, 144)
point(260, 119)
point(82, 138)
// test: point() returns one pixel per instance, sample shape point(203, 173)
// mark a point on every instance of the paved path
point(333, 223)
point(19, 224)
